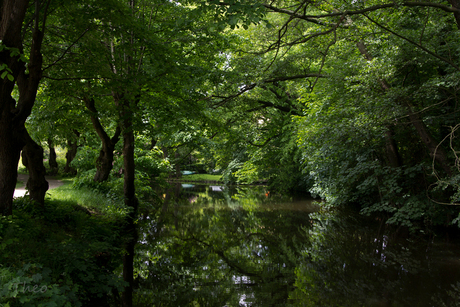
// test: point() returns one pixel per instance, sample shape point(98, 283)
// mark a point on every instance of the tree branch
point(314, 18)
point(264, 143)
point(67, 50)
point(415, 44)
point(253, 85)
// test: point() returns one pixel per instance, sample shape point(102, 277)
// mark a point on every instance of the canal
point(207, 245)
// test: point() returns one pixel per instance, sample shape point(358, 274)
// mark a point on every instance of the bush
point(61, 255)
point(85, 159)
point(151, 162)
point(32, 285)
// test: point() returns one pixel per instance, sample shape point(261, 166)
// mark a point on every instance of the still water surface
point(216, 246)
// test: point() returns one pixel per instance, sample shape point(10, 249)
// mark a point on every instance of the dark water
point(214, 246)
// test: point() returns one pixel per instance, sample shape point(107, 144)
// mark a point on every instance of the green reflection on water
point(214, 246)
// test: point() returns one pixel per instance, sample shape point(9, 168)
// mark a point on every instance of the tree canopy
point(355, 102)
point(352, 101)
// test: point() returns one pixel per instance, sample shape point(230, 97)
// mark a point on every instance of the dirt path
point(21, 191)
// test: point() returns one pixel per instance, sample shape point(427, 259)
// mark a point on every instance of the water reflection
point(217, 246)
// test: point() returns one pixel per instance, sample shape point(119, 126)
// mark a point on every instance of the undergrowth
point(67, 253)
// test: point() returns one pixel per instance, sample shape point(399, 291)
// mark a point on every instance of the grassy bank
point(65, 254)
point(108, 205)
point(202, 178)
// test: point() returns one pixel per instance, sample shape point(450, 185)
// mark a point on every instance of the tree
point(21, 44)
point(104, 162)
point(368, 85)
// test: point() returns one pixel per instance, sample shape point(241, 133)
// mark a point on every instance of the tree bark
point(130, 230)
point(37, 184)
point(13, 114)
point(436, 152)
point(72, 147)
point(10, 147)
point(130, 227)
point(394, 159)
point(104, 162)
point(54, 167)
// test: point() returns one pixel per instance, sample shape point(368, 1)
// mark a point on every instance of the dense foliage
point(354, 102)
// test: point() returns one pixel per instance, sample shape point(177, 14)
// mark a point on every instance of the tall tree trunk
point(37, 184)
point(10, 147)
point(130, 230)
point(104, 162)
point(52, 158)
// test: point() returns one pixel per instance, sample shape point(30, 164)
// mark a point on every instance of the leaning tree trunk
point(37, 184)
point(104, 162)
point(436, 152)
point(13, 114)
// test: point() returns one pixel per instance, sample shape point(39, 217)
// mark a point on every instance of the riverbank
point(65, 252)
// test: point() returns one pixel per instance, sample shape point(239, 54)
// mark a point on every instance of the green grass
point(202, 177)
point(106, 204)
point(63, 247)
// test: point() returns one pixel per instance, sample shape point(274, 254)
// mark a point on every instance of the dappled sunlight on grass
point(94, 201)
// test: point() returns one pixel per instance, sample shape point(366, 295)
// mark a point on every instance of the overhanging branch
point(315, 18)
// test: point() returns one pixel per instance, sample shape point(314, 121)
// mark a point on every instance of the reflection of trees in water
point(354, 262)
point(227, 251)
point(242, 248)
